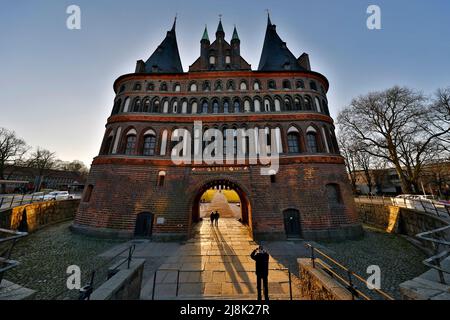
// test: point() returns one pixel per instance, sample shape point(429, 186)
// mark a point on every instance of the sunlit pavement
point(216, 264)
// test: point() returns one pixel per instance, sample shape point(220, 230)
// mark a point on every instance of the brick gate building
point(134, 187)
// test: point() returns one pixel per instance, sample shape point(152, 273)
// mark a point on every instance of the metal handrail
point(86, 291)
point(434, 261)
point(348, 283)
point(5, 256)
point(218, 270)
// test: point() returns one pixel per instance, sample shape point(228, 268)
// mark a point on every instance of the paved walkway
point(216, 263)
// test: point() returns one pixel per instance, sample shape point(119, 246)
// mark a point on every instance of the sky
point(56, 84)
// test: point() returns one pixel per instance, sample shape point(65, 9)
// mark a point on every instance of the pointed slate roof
point(220, 27)
point(205, 34)
point(166, 58)
point(275, 55)
point(235, 34)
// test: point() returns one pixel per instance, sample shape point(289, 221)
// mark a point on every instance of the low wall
point(318, 285)
point(399, 220)
point(124, 285)
point(32, 217)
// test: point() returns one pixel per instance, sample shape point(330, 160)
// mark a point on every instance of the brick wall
point(121, 191)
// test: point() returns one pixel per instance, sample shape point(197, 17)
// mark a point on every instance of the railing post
point(437, 211)
point(350, 284)
point(21, 200)
point(290, 284)
point(178, 281)
point(1, 202)
point(32, 196)
point(12, 201)
point(312, 257)
point(154, 284)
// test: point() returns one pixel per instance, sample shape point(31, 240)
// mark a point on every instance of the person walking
point(217, 216)
point(261, 258)
point(212, 217)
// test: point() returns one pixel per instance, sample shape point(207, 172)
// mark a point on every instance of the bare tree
point(12, 151)
point(42, 160)
point(440, 118)
point(348, 152)
point(75, 166)
point(395, 125)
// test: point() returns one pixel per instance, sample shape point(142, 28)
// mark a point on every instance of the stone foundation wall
point(318, 285)
point(37, 215)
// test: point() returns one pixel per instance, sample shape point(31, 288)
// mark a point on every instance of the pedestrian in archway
point(261, 258)
point(217, 216)
point(212, 217)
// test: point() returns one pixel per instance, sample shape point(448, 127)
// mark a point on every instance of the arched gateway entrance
point(222, 185)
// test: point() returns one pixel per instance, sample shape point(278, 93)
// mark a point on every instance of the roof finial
point(268, 17)
point(175, 22)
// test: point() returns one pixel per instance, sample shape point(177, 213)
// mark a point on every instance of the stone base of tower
point(123, 190)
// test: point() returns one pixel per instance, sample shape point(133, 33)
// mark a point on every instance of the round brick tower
point(135, 188)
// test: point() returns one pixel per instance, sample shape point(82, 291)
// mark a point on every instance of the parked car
point(58, 195)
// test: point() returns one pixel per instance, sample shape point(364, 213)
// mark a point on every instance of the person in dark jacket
point(261, 258)
point(212, 217)
point(216, 217)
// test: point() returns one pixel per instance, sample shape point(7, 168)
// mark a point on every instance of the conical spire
point(275, 55)
point(205, 34)
point(220, 31)
point(166, 58)
point(235, 34)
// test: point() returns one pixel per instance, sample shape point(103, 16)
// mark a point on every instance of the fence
point(438, 238)
point(424, 205)
point(178, 271)
point(346, 277)
point(6, 246)
point(7, 202)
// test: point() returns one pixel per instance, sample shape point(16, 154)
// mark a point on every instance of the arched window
point(308, 103)
point(212, 60)
point(122, 88)
point(175, 107)
point(227, 59)
point(317, 103)
point(325, 107)
point(297, 104)
point(137, 86)
point(184, 107)
point(218, 85)
point(193, 87)
point(108, 144)
point(194, 107)
point(150, 86)
point(177, 87)
point(215, 107)
point(257, 104)
point(156, 106)
point(130, 145)
point(166, 107)
point(243, 86)
point(333, 194)
point(256, 85)
point(206, 86)
point(299, 84)
point(271, 85)
point(266, 105)
point(146, 105)
point(293, 139)
point(230, 85)
point(116, 106)
point(137, 105)
point(205, 107)
point(126, 105)
point(311, 140)
point(149, 143)
point(163, 87)
point(226, 107)
point(313, 85)
point(237, 106)
point(247, 106)
point(277, 104)
point(286, 84)
point(161, 178)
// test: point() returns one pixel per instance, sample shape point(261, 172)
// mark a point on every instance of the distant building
point(24, 179)
point(435, 180)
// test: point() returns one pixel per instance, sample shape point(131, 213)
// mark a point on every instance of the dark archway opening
point(228, 188)
point(144, 225)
